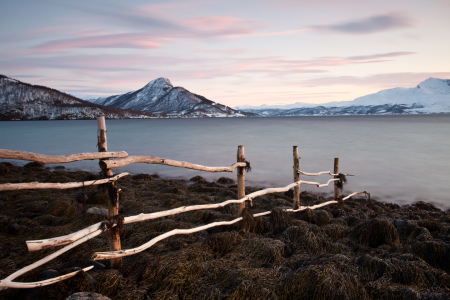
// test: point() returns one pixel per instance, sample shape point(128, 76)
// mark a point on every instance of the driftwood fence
point(122, 159)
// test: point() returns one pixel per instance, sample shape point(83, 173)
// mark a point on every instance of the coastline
point(362, 249)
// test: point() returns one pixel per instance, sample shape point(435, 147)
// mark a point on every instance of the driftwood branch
point(356, 193)
point(127, 252)
point(7, 282)
point(320, 173)
point(10, 278)
point(120, 253)
point(26, 285)
point(63, 240)
point(117, 163)
point(58, 159)
point(59, 186)
point(318, 184)
point(35, 245)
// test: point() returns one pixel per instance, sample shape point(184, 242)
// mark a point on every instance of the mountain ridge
point(24, 101)
point(159, 96)
point(430, 96)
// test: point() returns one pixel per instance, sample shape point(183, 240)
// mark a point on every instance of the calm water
point(399, 159)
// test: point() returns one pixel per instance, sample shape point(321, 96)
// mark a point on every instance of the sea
point(400, 159)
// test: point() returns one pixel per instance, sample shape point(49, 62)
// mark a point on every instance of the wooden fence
point(122, 159)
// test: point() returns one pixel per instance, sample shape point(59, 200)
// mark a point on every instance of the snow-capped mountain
point(160, 97)
point(23, 101)
point(430, 96)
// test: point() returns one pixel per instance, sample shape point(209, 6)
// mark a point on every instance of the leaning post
point(296, 203)
point(113, 203)
point(336, 186)
point(241, 178)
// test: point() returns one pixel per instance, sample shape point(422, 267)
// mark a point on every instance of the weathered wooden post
point(113, 203)
point(241, 178)
point(336, 183)
point(296, 203)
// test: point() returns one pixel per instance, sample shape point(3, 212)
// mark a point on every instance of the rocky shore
point(363, 249)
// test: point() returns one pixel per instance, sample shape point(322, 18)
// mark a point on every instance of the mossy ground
point(362, 250)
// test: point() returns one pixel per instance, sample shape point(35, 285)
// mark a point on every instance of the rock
point(34, 165)
point(225, 180)
point(87, 296)
point(420, 205)
point(97, 265)
point(404, 228)
point(81, 197)
point(322, 217)
point(198, 179)
point(143, 177)
point(97, 211)
point(376, 232)
point(420, 234)
point(322, 282)
point(437, 254)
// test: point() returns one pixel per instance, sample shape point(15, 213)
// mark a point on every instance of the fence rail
point(74, 239)
point(57, 186)
point(58, 159)
point(118, 163)
point(321, 173)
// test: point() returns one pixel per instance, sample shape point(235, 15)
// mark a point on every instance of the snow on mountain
point(23, 101)
point(429, 92)
point(279, 106)
point(160, 97)
point(430, 96)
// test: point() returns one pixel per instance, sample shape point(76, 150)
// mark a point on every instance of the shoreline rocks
point(363, 249)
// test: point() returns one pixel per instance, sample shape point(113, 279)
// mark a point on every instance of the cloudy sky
point(233, 52)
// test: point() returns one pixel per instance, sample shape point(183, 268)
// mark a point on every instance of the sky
point(254, 52)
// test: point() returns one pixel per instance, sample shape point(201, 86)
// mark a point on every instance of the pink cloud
point(211, 22)
point(222, 51)
point(286, 32)
point(220, 26)
point(296, 4)
point(102, 41)
point(195, 28)
point(317, 65)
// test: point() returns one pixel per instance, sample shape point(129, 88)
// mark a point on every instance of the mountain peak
point(435, 86)
point(160, 97)
point(161, 81)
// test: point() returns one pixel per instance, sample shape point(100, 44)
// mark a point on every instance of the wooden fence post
point(113, 203)
point(241, 178)
point(336, 187)
point(296, 203)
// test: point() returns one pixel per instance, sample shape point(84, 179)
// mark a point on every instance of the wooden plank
point(241, 179)
point(49, 257)
point(28, 285)
point(58, 159)
point(58, 186)
point(62, 240)
point(336, 187)
point(296, 202)
point(127, 252)
point(118, 163)
point(113, 203)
